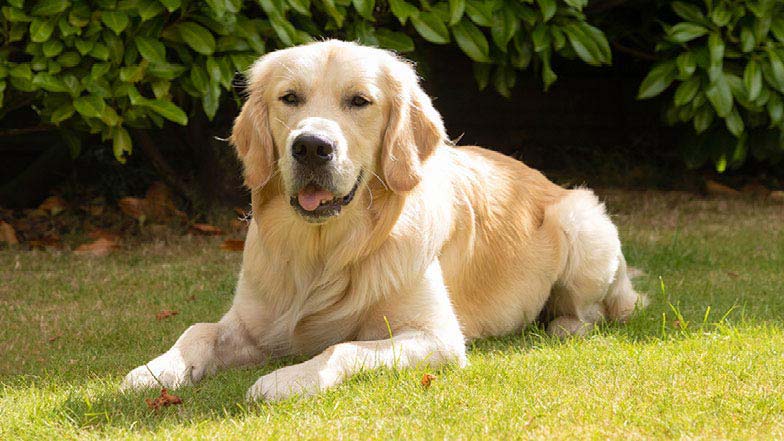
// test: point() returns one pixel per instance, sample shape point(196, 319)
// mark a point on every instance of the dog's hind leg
point(593, 284)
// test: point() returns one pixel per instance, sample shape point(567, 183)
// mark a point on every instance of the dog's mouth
point(315, 202)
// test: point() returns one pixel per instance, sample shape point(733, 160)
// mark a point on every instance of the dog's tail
point(622, 298)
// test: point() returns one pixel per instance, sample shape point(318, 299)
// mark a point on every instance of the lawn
point(704, 360)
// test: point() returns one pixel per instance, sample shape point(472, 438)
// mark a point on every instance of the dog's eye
point(290, 99)
point(359, 101)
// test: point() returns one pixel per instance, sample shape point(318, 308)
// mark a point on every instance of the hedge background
point(88, 86)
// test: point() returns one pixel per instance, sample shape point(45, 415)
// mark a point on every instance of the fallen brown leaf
point(427, 379)
point(160, 204)
point(755, 189)
point(733, 274)
point(166, 313)
point(204, 230)
point(99, 248)
point(715, 189)
point(233, 245)
point(53, 205)
point(192, 298)
point(7, 234)
point(134, 207)
point(163, 400)
point(777, 196)
point(54, 338)
point(100, 233)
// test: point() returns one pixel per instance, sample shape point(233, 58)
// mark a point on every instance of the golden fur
point(442, 244)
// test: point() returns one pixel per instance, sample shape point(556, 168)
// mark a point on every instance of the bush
point(107, 66)
point(725, 61)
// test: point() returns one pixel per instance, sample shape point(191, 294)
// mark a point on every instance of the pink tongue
point(310, 197)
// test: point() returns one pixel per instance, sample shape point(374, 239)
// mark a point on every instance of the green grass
point(718, 374)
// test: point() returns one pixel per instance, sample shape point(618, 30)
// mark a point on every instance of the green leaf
point(15, 15)
point(716, 49)
point(100, 51)
point(161, 88)
point(90, 106)
point(402, 10)
point(521, 56)
point(149, 9)
point(211, 100)
point(166, 109)
point(504, 80)
point(747, 41)
point(41, 30)
point(688, 12)
point(540, 38)
point(197, 37)
point(50, 7)
point(52, 48)
point(200, 79)
point(720, 95)
point(734, 123)
point(132, 74)
point(84, 46)
point(482, 74)
point(431, 28)
point(687, 64)
point(456, 11)
point(110, 117)
point(365, 8)
point(49, 82)
point(397, 41)
point(687, 90)
point(584, 46)
point(548, 75)
point(505, 26)
point(703, 119)
point(284, 30)
point(684, 32)
point(548, 8)
point(121, 144)
point(658, 79)
point(115, 20)
point(472, 41)
point(752, 80)
point(777, 68)
point(62, 113)
point(334, 12)
point(21, 70)
point(775, 108)
point(151, 49)
point(721, 15)
point(165, 71)
point(777, 28)
point(480, 12)
point(171, 5)
point(303, 7)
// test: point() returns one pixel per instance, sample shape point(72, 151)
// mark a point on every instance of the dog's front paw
point(168, 370)
point(296, 380)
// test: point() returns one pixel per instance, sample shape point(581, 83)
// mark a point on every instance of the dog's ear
point(251, 134)
point(414, 129)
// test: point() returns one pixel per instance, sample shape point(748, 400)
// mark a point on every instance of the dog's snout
point(312, 150)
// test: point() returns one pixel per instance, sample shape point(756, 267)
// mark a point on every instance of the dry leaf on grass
point(134, 207)
point(100, 233)
point(99, 248)
point(204, 230)
point(192, 298)
point(427, 379)
point(777, 196)
point(7, 234)
point(55, 338)
point(713, 188)
point(165, 399)
point(166, 313)
point(233, 245)
point(53, 205)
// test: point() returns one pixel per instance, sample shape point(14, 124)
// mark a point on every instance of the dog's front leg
point(431, 335)
point(201, 350)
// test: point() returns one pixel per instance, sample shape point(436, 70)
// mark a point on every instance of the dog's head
point(327, 117)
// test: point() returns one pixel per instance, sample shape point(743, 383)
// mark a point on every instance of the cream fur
point(442, 244)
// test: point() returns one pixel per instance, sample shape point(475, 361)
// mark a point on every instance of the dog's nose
point(312, 150)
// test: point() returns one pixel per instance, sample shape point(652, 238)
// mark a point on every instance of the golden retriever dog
point(377, 242)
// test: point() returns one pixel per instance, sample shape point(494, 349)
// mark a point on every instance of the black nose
point(312, 150)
